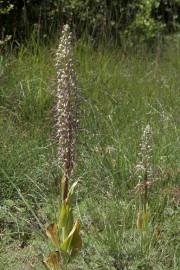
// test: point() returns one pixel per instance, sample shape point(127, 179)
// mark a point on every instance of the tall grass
point(122, 93)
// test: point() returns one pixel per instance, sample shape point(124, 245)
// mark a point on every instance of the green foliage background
point(117, 18)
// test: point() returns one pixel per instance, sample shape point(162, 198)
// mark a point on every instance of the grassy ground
point(121, 93)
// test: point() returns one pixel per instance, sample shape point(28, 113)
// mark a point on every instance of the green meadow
point(122, 91)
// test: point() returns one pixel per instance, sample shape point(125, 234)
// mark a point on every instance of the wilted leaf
point(53, 261)
point(76, 242)
point(52, 233)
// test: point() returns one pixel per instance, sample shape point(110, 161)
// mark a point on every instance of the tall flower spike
point(145, 153)
point(146, 150)
point(67, 106)
point(143, 168)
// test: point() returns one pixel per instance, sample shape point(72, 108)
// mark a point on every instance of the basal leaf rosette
point(65, 235)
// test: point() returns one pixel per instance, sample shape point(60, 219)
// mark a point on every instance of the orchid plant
point(65, 233)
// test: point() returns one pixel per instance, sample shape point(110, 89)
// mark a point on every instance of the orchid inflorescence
point(144, 171)
point(67, 105)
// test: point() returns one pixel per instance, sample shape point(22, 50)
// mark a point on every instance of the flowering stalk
point(146, 154)
point(144, 170)
point(65, 234)
point(67, 105)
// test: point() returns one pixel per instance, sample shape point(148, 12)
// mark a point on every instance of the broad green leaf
point(71, 190)
point(69, 223)
point(73, 242)
point(67, 242)
point(71, 193)
point(63, 214)
point(52, 233)
point(53, 261)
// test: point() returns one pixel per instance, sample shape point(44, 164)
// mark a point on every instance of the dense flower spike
point(67, 105)
point(146, 151)
point(145, 154)
point(143, 168)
